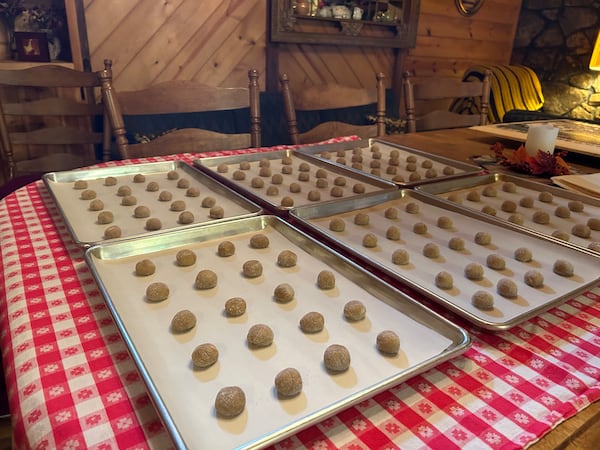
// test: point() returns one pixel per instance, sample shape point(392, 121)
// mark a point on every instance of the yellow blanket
point(512, 87)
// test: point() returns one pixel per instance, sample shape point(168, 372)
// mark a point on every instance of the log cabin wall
point(217, 41)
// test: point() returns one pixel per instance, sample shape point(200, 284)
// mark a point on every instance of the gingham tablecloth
point(73, 385)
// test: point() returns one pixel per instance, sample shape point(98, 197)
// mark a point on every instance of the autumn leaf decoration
point(544, 163)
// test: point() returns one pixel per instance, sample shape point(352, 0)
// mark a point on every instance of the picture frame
point(32, 46)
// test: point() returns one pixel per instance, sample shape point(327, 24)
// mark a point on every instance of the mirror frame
point(468, 8)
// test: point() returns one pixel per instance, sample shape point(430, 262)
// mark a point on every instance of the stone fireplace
point(555, 38)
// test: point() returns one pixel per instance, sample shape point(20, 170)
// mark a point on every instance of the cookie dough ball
point(245, 165)
point(139, 178)
point(506, 288)
point(206, 279)
point(393, 233)
point(288, 382)
point(225, 248)
point(412, 208)
point(495, 261)
point(336, 358)
point(153, 224)
point(259, 240)
point(238, 175)
point(208, 202)
point(165, 196)
point(474, 271)
point(183, 321)
point(88, 194)
point(312, 322)
point(205, 355)
point(541, 217)
point(388, 342)
point(235, 307)
point(287, 202)
point(178, 205)
point(265, 172)
point(144, 268)
point(483, 238)
point(420, 228)
point(222, 168)
point(337, 224)
point(487, 209)
point(456, 243)
point(321, 173)
point(183, 183)
point(391, 213)
point(80, 184)
point(123, 191)
point(444, 222)
point(287, 258)
point(314, 196)
point(369, 240)
point(509, 186)
point(295, 188)
point(287, 170)
point(576, 206)
point(517, 219)
point(129, 200)
point(447, 170)
point(444, 280)
point(562, 235)
point(581, 230)
point(272, 191)
point(321, 183)
point(105, 217)
point(473, 196)
point(483, 300)
point(157, 292)
point(337, 191)
point(112, 232)
point(192, 191)
point(400, 257)
point(415, 176)
point(455, 197)
point(283, 293)
point(186, 217)
point(594, 246)
point(489, 191)
point(431, 250)
point(545, 197)
point(96, 205)
point(326, 280)
point(257, 183)
point(303, 176)
point(508, 206)
point(354, 311)
point(185, 257)
point(526, 202)
point(260, 335)
point(563, 212)
point(594, 223)
point(216, 212)
point(152, 186)
point(534, 278)
point(252, 268)
point(110, 181)
point(523, 254)
point(563, 268)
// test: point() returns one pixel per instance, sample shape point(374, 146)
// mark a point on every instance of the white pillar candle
point(541, 137)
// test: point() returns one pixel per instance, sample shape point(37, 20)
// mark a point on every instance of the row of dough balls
point(411, 164)
point(230, 401)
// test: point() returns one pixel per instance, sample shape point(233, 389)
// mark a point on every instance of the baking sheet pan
point(224, 168)
point(458, 191)
point(421, 271)
point(185, 397)
point(423, 167)
point(83, 223)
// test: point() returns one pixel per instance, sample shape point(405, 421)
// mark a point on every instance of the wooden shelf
point(15, 65)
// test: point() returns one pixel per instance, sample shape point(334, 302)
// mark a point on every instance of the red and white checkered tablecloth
point(73, 385)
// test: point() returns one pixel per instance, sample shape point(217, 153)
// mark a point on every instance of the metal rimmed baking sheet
point(405, 166)
point(422, 270)
point(333, 176)
point(83, 222)
point(185, 397)
point(566, 211)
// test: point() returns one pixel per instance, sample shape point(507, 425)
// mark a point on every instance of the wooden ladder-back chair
point(184, 96)
point(332, 97)
point(50, 120)
point(444, 93)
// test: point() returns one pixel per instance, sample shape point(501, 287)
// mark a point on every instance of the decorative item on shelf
point(32, 46)
point(303, 8)
point(9, 11)
point(542, 164)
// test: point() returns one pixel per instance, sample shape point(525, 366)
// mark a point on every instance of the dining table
point(72, 383)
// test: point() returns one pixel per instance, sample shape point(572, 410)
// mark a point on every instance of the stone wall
point(555, 38)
